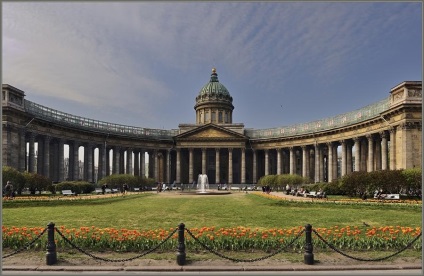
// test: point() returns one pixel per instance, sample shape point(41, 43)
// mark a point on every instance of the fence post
point(181, 255)
point(51, 257)
point(309, 255)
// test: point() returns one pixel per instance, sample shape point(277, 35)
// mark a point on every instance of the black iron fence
point(51, 255)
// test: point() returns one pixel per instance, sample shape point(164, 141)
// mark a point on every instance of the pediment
point(210, 131)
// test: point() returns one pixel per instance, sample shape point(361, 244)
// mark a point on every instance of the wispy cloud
point(131, 58)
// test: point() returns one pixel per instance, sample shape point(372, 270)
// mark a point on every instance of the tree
point(17, 178)
point(36, 182)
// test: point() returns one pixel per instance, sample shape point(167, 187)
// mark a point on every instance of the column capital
point(230, 149)
point(383, 134)
point(217, 149)
point(32, 135)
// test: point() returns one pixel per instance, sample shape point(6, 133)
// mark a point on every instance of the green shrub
point(17, 178)
point(118, 180)
point(78, 187)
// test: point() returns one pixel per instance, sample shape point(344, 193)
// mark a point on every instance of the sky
point(143, 63)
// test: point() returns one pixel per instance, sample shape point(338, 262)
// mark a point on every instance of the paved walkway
point(234, 269)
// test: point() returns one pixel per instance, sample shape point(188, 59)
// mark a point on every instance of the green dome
point(214, 88)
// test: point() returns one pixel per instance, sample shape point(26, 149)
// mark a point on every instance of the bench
point(311, 194)
point(388, 196)
point(235, 188)
point(136, 189)
point(67, 192)
point(115, 190)
point(98, 191)
point(108, 190)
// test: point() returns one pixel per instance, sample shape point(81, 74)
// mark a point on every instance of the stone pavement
point(226, 268)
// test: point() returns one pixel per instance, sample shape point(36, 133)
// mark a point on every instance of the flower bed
point(235, 239)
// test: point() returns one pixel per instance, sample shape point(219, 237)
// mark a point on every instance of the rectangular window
point(207, 117)
point(213, 117)
point(220, 117)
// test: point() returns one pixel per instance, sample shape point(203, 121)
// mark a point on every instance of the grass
point(167, 210)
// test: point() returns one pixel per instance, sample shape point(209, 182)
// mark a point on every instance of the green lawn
point(154, 211)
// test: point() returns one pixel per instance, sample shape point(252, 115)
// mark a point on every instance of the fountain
point(202, 183)
point(202, 188)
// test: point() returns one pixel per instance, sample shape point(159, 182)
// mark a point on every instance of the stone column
point(392, 149)
point(46, 158)
point(40, 162)
point(377, 155)
point(71, 161)
point(156, 160)
point(230, 166)
point(279, 161)
point(136, 162)
point(75, 160)
point(116, 159)
point(383, 150)
point(370, 166)
point(143, 163)
point(255, 167)
point(330, 162)
point(292, 162)
point(321, 165)
point(348, 157)
point(129, 169)
point(61, 160)
point(178, 162)
point(266, 162)
point(217, 164)
point(88, 162)
point(31, 154)
point(107, 158)
point(121, 161)
point(243, 166)
point(203, 161)
point(101, 167)
point(190, 165)
point(335, 165)
point(305, 162)
point(168, 166)
point(357, 146)
point(343, 168)
point(22, 150)
point(317, 162)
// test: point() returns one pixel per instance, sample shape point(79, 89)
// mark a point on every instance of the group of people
point(124, 189)
point(266, 189)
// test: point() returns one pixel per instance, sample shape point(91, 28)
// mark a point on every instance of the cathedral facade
point(381, 136)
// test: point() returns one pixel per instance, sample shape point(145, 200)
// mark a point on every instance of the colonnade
point(319, 162)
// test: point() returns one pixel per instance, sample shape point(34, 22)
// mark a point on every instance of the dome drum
point(214, 100)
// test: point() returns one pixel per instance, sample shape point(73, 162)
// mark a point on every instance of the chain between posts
point(240, 260)
point(121, 260)
point(363, 259)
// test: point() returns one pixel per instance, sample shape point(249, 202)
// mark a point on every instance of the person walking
point(9, 190)
point(125, 188)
